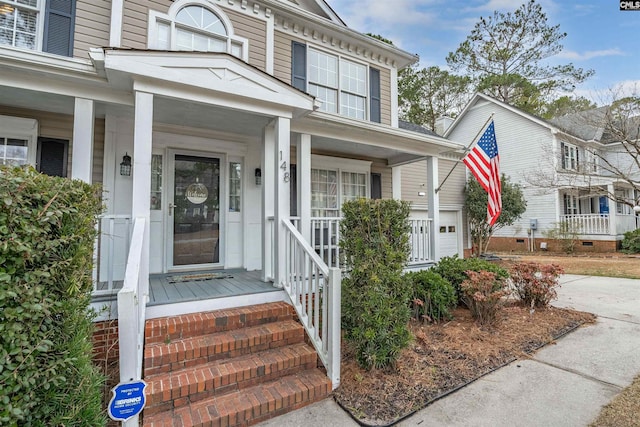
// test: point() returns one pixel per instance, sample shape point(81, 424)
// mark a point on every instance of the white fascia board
point(222, 75)
point(374, 134)
point(54, 84)
point(10, 56)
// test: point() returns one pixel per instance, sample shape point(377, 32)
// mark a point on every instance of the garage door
point(449, 233)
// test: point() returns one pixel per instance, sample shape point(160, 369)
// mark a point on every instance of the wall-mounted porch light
point(258, 175)
point(125, 165)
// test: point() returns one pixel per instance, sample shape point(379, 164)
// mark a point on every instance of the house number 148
point(283, 166)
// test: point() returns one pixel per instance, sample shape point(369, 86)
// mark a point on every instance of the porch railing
point(587, 223)
point(131, 312)
point(420, 241)
point(112, 250)
point(325, 239)
point(314, 290)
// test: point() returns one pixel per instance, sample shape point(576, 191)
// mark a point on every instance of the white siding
point(525, 147)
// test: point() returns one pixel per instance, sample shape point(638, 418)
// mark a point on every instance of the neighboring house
point(563, 184)
point(212, 126)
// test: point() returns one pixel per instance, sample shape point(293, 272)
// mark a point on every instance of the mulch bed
point(444, 357)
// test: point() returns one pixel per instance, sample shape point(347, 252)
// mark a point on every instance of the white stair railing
point(131, 313)
point(325, 239)
point(111, 251)
point(314, 290)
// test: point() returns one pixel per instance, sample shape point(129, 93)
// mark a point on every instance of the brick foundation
point(516, 244)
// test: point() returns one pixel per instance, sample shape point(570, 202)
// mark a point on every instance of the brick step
point(175, 389)
point(193, 351)
point(248, 406)
point(168, 329)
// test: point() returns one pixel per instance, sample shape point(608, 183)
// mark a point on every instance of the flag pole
point(475, 138)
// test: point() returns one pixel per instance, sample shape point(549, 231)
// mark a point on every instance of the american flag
point(484, 163)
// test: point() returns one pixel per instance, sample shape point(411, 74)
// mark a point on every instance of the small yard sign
point(127, 401)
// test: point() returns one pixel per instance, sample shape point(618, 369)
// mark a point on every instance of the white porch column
point(82, 152)
point(303, 170)
point(282, 145)
point(396, 182)
point(141, 169)
point(268, 200)
point(613, 211)
point(433, 201)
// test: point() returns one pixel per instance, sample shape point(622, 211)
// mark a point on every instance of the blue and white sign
point(127, 401)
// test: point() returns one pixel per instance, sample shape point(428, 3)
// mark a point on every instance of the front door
point(195, 211)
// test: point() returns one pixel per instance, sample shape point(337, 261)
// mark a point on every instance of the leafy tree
point(567, 105)
point(513, 207)
point(428, 93)
point(505, 52)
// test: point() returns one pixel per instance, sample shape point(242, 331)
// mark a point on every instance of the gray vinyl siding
point(282, 56)
point(414, 181)
point(60, 126)
point(385, 96)
point(255, 31)
point(524, 147)
point(93, 19)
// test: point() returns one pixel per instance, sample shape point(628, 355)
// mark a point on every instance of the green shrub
point(483, 292)
point(47, 231)
point(454, 270)
point(535, 284)
point(631, 242)
point(433, 297)
point(375, 306)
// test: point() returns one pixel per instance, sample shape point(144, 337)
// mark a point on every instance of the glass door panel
point(196, 213)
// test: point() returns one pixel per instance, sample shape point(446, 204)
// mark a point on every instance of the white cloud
point(589, 54)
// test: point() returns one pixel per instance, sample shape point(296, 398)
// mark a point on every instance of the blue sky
point(599, 35)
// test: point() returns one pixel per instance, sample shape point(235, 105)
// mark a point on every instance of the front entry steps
point(231, 367)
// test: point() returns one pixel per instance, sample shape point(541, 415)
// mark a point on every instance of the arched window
point(191, 26)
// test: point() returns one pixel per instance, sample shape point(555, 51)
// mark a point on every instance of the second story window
point(570, 157)
point(345, 87)
point(193, 27)
point(38, 25)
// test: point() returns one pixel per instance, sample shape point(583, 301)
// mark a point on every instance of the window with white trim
point(591, 160)
point(18, 141)
point(571, 204)
point(340, 84)
point(41, 25)
point(570, 157)
point(334, 181)
point(194, 26)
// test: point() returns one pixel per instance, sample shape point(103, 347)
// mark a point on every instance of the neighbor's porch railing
point(131, 312)
point(314, 290)
point(587, 223)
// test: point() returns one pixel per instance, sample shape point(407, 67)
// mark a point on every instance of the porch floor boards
point(233, 283)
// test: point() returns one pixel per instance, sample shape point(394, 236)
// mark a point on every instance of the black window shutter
point(374, 95)
point(563, 151)
point(299, 65)
point(52, 156)
point(59, 21)
point(376, 186)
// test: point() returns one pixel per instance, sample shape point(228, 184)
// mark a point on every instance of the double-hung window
point(570, 157)
point(43, 25)
point(334, 181)
point(194, 27)
point(571, 204)
point(344, 86)
point(18, 140)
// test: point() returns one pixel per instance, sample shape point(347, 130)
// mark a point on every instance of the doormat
point(197, 277)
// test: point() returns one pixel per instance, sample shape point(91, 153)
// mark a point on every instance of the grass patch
point(623, 410)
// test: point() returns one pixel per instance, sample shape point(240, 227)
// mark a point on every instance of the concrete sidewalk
point(564, 384)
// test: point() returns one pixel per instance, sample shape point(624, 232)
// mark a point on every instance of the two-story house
point(226, 135)
point(557, 165)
